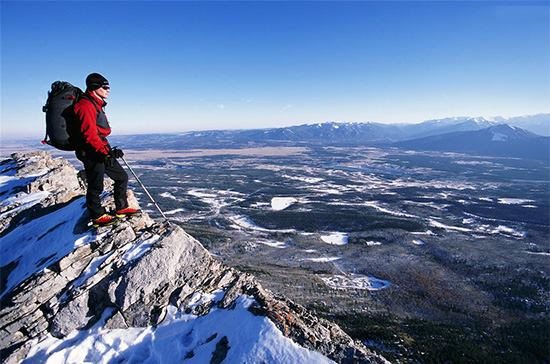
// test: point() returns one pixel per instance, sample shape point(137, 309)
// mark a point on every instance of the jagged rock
point(116, 321)
point(137, 269)
point(219, 354)
point(71, 316)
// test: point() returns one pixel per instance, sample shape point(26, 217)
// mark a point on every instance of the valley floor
point(448, 252)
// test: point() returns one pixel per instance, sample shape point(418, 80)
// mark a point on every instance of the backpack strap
point(45, 141)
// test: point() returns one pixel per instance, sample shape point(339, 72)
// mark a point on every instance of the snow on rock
point(281, 203)
point(22, 201)
point(335, 238)
point(355, 281)
point(138, 291)
point(242, 338)
point(41, 242)
point(27, 180)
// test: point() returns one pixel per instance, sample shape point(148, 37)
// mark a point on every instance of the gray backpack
point(61, 121)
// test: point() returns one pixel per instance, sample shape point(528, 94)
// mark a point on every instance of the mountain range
point(477, 135)
point(500, 140)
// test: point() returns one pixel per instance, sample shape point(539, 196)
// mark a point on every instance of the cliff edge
point(137, 291)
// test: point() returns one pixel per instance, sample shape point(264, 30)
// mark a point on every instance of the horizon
point(177, 67)
point(27, 136)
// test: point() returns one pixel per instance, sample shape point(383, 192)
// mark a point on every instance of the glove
point(116, 153)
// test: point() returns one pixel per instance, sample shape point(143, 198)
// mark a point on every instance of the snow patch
point(447, 227)
point(309, 251)
point(21, 201)
point(168, 195)
point(373, 243)
point(250, 338)
point(303, 179)
point(485, 199)
point(139, 248)
point(355, 281)
point(539, 253)
point(499, 137)
point(273, 244)
point(335, 238)
point(175, 211)
point(376, 205)
point(501, 229)
point(321, 259)
point(281, 203)
point(514, 201)
point(243, 222)
point(90, 270)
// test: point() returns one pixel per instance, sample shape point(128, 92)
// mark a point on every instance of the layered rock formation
point(58, 275)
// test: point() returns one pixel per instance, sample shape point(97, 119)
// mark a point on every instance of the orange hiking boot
point(128, 211)
point(103, 220)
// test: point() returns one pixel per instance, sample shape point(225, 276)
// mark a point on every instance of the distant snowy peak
point(500, 140)
point(331, 133)
point(503, 132)
point(479, 121)
point(538, 124)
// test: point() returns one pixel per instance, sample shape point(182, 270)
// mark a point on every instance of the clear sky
point(179, 66)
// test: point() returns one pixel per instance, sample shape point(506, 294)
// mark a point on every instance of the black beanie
point(95, 81)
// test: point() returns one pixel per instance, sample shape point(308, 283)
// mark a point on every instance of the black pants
point(96, 169)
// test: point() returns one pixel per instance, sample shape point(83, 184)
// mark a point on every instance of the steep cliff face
point(136, 291)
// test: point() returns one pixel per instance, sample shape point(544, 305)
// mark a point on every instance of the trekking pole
point(145, 189)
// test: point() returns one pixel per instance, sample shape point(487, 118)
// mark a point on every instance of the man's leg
point(94, 178)
point(115, 171)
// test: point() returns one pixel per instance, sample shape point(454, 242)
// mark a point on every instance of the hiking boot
point(103, 220)
point(128, 211)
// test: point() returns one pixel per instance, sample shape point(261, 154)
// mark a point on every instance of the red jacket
point(94, 127)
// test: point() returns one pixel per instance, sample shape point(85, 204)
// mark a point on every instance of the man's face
point(103, 91)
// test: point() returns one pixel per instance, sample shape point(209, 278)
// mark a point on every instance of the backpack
point(60, 117)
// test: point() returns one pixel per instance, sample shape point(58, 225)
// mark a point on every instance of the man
point(93, 149)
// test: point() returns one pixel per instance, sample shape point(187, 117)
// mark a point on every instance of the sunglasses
point(106, 87)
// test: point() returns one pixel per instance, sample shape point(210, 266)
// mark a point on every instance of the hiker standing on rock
point(93, 149)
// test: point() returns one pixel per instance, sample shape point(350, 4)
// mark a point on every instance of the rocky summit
point(137, 291)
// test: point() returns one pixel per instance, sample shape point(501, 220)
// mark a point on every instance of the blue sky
point(178, 66)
